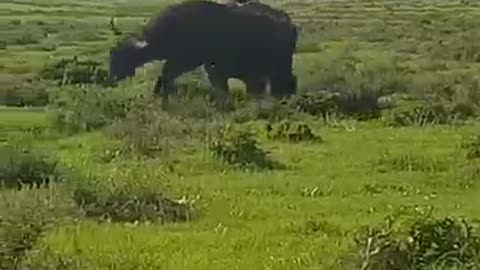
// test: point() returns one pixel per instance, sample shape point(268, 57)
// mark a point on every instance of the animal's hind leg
point(219, 83)
point(171, 71)
point(255, 87)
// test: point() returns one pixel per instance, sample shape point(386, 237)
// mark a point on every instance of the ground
point(302, 217)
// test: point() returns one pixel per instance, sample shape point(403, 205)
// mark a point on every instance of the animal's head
point(125, 57)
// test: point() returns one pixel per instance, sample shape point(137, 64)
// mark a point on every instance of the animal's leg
point(171, 71)
point(219, 83)
point(255, 87)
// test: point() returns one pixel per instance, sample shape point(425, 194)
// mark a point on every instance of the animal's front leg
point(161, 89)
point(171, 70)
point(219, 84)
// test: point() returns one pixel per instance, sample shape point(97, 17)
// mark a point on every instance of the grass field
point(303, 216)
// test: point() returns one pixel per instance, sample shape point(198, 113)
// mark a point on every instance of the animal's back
point(208, 28)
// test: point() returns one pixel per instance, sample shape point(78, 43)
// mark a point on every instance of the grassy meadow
point(381, 180)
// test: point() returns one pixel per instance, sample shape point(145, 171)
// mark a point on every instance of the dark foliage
point(122, 206)
point(20, 167)
point(239, 147)
point(75, 71)
point(292, 132)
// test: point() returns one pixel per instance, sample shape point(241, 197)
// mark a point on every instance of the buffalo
point(230, 42)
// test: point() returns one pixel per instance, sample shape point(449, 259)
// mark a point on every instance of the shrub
point(421, 242)
point(410, 162)
point(73, 109)
point(123, 206)
point(25, 216)
point(20, 167)
point(324, 104)
point(418, 113)
point(240, 147)
point(473, 147)
point(319, 103)
point(148, 130)
point(75, 71)
point(291, 132)
point(25, 94)
point(264, 109)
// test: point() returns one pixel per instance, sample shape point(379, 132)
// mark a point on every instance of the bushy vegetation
point(26, 167)
point(74, 109)
point(75, 71)
point(26, 216)
point(125, 206)
point(419, 242)
point(237, 146)
point(292, 132)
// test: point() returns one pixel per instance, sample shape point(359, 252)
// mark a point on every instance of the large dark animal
point(228, 42)
point(219, 73)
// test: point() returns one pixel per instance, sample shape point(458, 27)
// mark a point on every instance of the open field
point(130, 160)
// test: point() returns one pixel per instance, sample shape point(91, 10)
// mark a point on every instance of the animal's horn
point(140, 44)
point(113, 26)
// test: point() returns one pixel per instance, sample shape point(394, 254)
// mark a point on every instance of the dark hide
point(227, 41)
point(219, 73)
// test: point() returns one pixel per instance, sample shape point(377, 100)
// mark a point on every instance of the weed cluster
point(421, 242)
point(73, 109)
point(122, 206)
point(410, 162)
point(75, 71)
point(24, 167)
point(25, 94)
point(473, 148)
point(425, 112)
point(239, 147)
point(291, 131)
point(25, 216)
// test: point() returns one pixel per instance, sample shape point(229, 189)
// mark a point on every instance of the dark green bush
point(125, 206)
point(25, 94)
point(3, 44)
point(20, 167)
point(74, 109)
point(150, 131)
point(75, 71)
point(410, 162)
point(291, 132)
point(265, 109)
point(361, 106)
point(473, 147)
point(25, 216)
point(418, 113)
point(239, 147)
point(422, 242)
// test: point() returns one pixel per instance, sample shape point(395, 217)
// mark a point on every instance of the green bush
point(149, 131)
point(75, 71)
point(409, 162)
point(25, 94)
point(421, 242)
point(473, 147)
point(25, 216)
point(130, 194)
point(122, 206)
point(20, 167)
point(239, 147)
point(264, 109)
point(291, 132)
point(325, 104)
point(74, 109)
point(418, 113)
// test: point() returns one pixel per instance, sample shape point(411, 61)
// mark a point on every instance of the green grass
point(263, 220)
